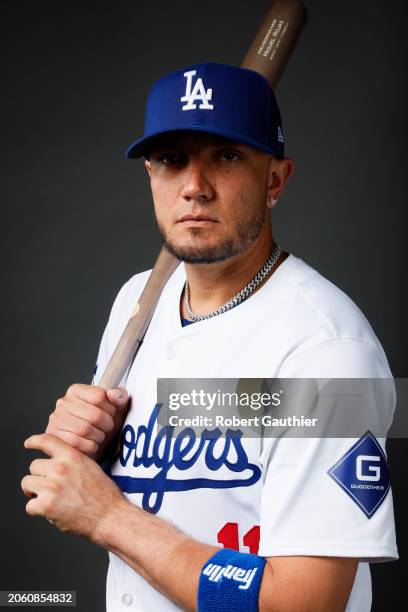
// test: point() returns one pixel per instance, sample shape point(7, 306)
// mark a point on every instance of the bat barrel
point(276, 39)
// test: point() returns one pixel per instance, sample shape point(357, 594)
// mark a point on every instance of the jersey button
point(127, 599)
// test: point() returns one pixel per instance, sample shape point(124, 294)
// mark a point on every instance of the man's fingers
point(88, 447)
point(40, 467)
point(33, 507)
point(119, 397)
point(77, 425)
point(47, 443)
point(98, 396)
point(87, 393)
point(84, 418)
point(32, 485)
point(100, 418)
point(40, 494)
point(68, 403)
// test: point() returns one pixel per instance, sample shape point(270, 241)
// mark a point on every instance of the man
point(238, 307)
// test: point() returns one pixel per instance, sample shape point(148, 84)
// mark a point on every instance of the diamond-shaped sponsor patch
point(363, 474)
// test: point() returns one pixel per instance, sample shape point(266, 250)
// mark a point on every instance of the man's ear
point(279, 172)
point(148, 167)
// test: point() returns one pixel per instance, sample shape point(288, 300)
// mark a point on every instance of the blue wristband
point(230, 581)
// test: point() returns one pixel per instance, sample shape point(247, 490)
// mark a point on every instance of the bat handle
point(132, 337)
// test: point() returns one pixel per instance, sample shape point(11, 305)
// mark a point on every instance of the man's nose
point(197, 184)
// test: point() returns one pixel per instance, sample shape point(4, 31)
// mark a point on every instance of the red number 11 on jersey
point(228, 536)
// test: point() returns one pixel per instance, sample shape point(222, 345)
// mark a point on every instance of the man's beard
point(246, 233)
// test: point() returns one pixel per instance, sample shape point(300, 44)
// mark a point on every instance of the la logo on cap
point(197, 94)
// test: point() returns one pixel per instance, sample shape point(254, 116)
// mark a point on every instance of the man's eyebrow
point(233, 144)
point(166, 149)
point(180, 146)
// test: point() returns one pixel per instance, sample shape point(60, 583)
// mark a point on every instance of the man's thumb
point(118, 396)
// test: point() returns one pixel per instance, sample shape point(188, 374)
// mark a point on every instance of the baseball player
point(199, 520)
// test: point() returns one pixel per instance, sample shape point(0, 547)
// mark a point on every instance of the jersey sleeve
point(330, 496)
point(123, 305)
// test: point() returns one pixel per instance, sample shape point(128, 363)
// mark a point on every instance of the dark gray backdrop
point(77, 221)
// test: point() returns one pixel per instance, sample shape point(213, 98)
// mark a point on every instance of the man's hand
point(69, 489)
point(72, 492)
point(88, 418)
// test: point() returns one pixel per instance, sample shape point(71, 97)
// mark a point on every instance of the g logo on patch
point(361, 459)
point(362, 473)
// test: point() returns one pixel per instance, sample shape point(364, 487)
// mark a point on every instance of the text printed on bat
point(273, 38)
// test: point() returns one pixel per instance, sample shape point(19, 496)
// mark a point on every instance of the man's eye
point(170, 159)
point(230, 155)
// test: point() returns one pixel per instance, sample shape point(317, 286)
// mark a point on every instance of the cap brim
point(141, 146)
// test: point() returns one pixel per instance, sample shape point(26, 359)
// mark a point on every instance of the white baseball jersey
point(274, 496)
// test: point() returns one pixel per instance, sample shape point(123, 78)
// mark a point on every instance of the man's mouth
point(197, 221)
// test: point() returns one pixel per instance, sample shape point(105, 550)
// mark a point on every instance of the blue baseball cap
point(227, 101)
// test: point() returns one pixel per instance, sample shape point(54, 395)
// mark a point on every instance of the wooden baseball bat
point(268, 54)
point(276, 39)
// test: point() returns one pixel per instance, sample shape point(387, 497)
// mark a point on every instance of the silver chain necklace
point(240, 296)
